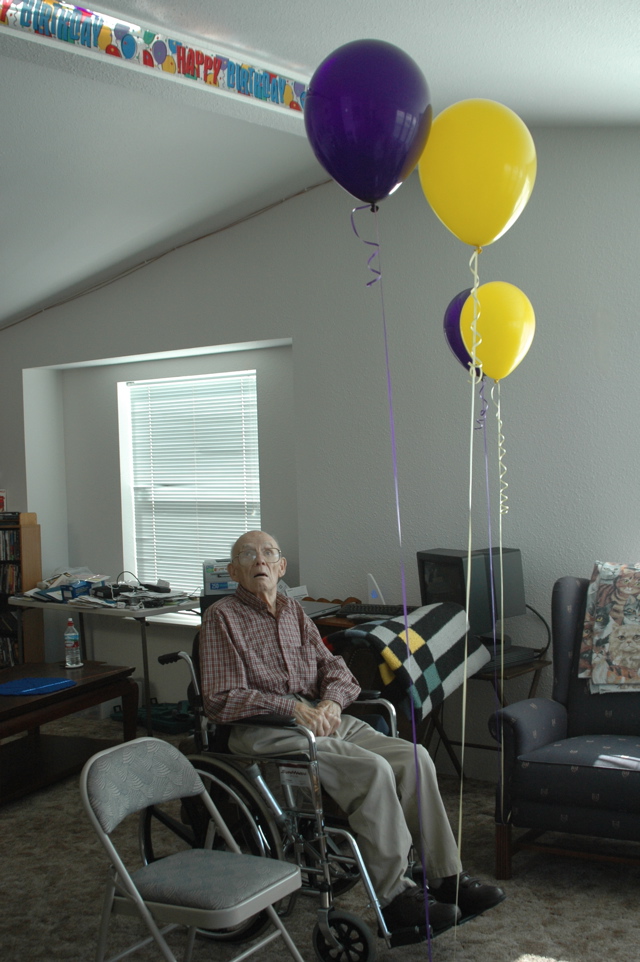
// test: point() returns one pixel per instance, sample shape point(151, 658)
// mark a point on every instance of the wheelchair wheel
point(250, 822)
point(356, 940)
point(247, 815)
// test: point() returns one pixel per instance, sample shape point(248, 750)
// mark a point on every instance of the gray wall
point(299, 272)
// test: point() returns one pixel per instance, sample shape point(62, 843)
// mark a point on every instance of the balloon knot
point(374, 208)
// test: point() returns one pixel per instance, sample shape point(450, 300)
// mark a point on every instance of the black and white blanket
point(433, 663)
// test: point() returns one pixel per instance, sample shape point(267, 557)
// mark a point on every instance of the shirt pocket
point(303, 669)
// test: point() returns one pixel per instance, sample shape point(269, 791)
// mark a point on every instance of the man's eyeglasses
point(248, 555)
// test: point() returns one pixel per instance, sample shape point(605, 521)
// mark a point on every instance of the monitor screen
point(442, 574)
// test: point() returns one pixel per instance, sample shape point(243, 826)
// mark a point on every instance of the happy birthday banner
point(131, 44)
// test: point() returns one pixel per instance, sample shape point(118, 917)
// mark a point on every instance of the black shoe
point(474, 896)
point(408, 910)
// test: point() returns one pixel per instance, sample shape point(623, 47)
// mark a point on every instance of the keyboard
point(371, 612)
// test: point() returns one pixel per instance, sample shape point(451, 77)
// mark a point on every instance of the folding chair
point(197, 888)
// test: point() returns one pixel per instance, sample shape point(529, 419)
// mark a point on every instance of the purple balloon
point(452, 328)
point(367, 115)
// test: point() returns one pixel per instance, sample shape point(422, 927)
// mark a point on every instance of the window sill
point(188, 619)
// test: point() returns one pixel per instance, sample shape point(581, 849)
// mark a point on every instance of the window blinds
point(195, 472)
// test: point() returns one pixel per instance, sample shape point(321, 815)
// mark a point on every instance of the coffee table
point(39, 759)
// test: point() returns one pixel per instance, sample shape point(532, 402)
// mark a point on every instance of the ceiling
point(104, 165)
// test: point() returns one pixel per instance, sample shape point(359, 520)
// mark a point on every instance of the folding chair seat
point(199, 888)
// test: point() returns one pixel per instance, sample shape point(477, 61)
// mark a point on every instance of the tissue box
point(74, 590)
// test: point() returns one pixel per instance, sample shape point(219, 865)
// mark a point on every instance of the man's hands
point(323, 720)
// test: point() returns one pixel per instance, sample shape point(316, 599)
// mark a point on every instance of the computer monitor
point(442, 574)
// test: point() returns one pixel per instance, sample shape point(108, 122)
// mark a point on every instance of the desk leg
point(83, 640)
point(145, 673)
point(130, 711)
point(534, 683)
point(436, 720)
point(20, 635)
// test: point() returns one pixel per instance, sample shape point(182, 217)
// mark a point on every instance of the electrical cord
point(542, 651)
point(122, 573)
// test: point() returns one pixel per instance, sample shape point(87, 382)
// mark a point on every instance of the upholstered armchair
point(572, 761)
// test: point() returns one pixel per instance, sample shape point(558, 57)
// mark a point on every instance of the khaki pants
point(372, 777)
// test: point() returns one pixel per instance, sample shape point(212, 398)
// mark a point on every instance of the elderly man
point(260, 654)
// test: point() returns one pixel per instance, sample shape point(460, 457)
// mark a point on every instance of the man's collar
point(248, 598)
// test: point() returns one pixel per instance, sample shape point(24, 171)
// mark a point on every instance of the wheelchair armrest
point(384, 707)
point(528, 724)
point(278, 721)
point(269, 721)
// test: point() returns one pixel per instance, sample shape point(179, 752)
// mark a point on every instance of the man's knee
point(356, 773)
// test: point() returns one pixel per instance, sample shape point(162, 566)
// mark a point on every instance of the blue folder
point(35, 686)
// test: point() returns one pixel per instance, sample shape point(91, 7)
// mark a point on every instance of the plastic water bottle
point(72, 646)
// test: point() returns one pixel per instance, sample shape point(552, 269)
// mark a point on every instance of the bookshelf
point(20, 569)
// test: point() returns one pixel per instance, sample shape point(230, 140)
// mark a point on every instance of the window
point(190, 472)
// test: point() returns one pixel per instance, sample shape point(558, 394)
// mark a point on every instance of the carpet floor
point(559, 909)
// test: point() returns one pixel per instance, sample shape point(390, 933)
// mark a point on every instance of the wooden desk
point(141, 615)
point(498, 678)
point(31, 762)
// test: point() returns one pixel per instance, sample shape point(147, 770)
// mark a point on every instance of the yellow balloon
point(505, 327)
point(478, 169)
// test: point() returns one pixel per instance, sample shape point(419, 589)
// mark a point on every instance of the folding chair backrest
point(127, 778)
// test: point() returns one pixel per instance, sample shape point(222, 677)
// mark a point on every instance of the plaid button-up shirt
point(252, 662)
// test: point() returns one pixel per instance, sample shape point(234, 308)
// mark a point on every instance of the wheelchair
point(275, 808)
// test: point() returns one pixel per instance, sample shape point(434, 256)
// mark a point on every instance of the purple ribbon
point(377, 272)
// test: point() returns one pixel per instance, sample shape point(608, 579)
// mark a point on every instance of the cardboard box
point(75, 590)
point(216, 577)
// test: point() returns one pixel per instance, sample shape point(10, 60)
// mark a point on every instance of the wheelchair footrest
point(408, 936)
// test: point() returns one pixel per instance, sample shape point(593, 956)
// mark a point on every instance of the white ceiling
point(103, 166)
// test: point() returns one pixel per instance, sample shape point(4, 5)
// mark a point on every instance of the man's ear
point(231, 569)
point(283, 567)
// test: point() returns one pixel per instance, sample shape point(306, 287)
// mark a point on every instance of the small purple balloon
point(452, 328)
point(367, 115)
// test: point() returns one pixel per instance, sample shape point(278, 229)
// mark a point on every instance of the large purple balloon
point(452, 328)
point(368, 115)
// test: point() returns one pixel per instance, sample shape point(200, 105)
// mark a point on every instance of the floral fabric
point(610, 650)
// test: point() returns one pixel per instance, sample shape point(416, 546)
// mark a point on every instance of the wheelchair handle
point(170, 658)
point(174, 656)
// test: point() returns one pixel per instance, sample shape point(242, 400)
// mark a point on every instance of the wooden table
point(37, 759)
point(141, 615)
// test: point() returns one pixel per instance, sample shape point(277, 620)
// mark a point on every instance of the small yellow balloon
point(478, 169)
point(505, 326)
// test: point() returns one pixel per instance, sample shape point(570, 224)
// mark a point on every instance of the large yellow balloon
point(506, 325)
point(478, 169)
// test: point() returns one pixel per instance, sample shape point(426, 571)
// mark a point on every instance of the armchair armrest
point(527, 725)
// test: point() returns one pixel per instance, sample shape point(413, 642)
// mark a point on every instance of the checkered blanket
point(432, 665)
